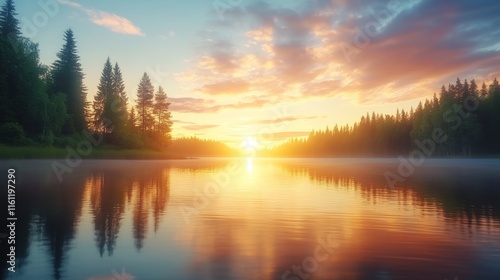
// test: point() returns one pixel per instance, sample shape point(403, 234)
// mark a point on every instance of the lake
point(256, 219)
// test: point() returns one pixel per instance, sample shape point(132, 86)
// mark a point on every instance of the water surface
point(257, 219)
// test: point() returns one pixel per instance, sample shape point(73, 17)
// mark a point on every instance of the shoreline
point(27, 153)
point(33, 152)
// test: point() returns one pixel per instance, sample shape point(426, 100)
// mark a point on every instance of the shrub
point(46, 139)
point(12, 133)
point(64, 141)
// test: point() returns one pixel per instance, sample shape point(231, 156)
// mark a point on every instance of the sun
point(250, 144)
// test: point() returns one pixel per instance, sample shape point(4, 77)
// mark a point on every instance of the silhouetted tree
point(163, 118)
point(22, 92)
point(103, 100)
point(144, 104)
point(122, 104)
point(9, 25)
point(67, 78)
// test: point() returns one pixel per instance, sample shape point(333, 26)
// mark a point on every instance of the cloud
point(199, 127)
point(167, 35)
point(226, 87)
point(400, 50)
point(280, 136)
point(176, 121)
point(201, 105)
point(289, 134)
point(111, 21)
point(190, 105)
point(280, 120)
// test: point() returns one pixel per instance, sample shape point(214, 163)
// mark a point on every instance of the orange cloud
point(199, 126)
point(226, 87)
point(200, 105)
point(292, 54)
point(281, 120)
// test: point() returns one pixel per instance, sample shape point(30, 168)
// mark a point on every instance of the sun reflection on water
point(250, 165)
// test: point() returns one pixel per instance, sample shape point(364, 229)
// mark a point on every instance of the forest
point(44, 105)
point(464, 117)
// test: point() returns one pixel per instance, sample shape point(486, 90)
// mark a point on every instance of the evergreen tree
point(9, 25)
point(484, 90)
point(474, 90)
point(57, 115)
point(9, 31)
point(163, 117)
point(22, 93)
point(67, 78)
point(132, 121)
point(120, 104)
point(29, 89)
point(103, 100)
point(144, 104)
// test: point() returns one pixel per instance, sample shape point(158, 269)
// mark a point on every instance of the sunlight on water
point(249, 165)
point(259, 219)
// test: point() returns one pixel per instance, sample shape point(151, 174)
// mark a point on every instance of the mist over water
point(257, 219)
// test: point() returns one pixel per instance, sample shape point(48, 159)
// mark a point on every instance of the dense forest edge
point(44, 113)
point(463, 120)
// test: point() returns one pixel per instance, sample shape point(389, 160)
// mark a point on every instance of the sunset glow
point(250, 139)
point(327, 62)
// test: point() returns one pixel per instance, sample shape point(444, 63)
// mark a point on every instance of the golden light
point(250, 144)
point(249, 165)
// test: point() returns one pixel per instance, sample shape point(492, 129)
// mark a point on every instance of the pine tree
point(22, 94)
point(484, 90)
point(67, 78)
point(495, 87)
point(163, 116)
point(132, 121)
point(6, 109)
point(9, 25)
point(9, 30)
point(144, 104)
point(103, 115)
point(121, 102)
point(474, 91)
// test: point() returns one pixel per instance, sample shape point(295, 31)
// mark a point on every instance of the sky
point(269, 70)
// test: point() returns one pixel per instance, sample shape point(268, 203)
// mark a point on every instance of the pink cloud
point(226, 87)
point(111, 21)
point(289, 55)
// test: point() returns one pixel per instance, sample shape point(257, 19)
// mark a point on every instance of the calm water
point(256, 219)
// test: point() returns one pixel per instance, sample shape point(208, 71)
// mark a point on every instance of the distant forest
point(44, 105)
point(47, 106)
point(463, 120)
point(194, 146)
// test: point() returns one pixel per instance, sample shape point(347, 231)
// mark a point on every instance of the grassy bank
point(9, 152)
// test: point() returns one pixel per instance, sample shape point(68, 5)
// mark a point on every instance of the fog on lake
point(257, 219)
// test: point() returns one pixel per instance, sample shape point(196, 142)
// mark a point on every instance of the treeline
point(147, 125)
point(47, 105)
point(464, 118)
point(193, 146)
